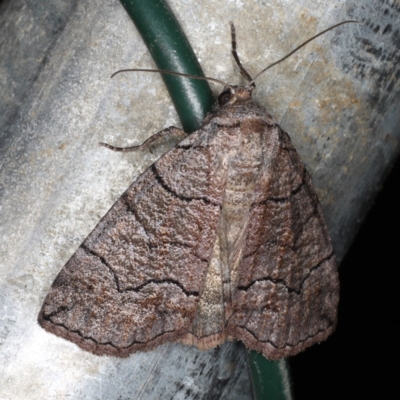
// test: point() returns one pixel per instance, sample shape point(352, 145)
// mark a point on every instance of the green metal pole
point(171, 50)
point(270, 379)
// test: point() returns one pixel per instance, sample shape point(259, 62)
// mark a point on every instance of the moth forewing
point(222, 238)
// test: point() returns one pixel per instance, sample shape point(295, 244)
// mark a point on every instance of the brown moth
point(222, 238)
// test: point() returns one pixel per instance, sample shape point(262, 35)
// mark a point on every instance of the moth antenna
point(166, 72)
point(243, 71)
point(302, 45)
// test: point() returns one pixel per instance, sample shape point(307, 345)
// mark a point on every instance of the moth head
point(233, 94)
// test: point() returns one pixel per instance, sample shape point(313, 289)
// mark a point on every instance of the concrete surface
point(337, 98)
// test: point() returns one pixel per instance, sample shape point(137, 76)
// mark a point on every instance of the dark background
point(360, 360)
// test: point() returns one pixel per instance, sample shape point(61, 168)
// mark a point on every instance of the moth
point(222, 238)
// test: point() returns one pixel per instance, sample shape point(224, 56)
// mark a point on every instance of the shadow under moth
point(222, 238)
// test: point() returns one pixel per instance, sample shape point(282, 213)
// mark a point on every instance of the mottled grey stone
point(337, 98)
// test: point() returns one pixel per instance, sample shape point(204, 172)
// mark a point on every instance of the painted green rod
point(270, 379)
point(171, 50)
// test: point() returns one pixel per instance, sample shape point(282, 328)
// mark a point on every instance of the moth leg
point(171, 130)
